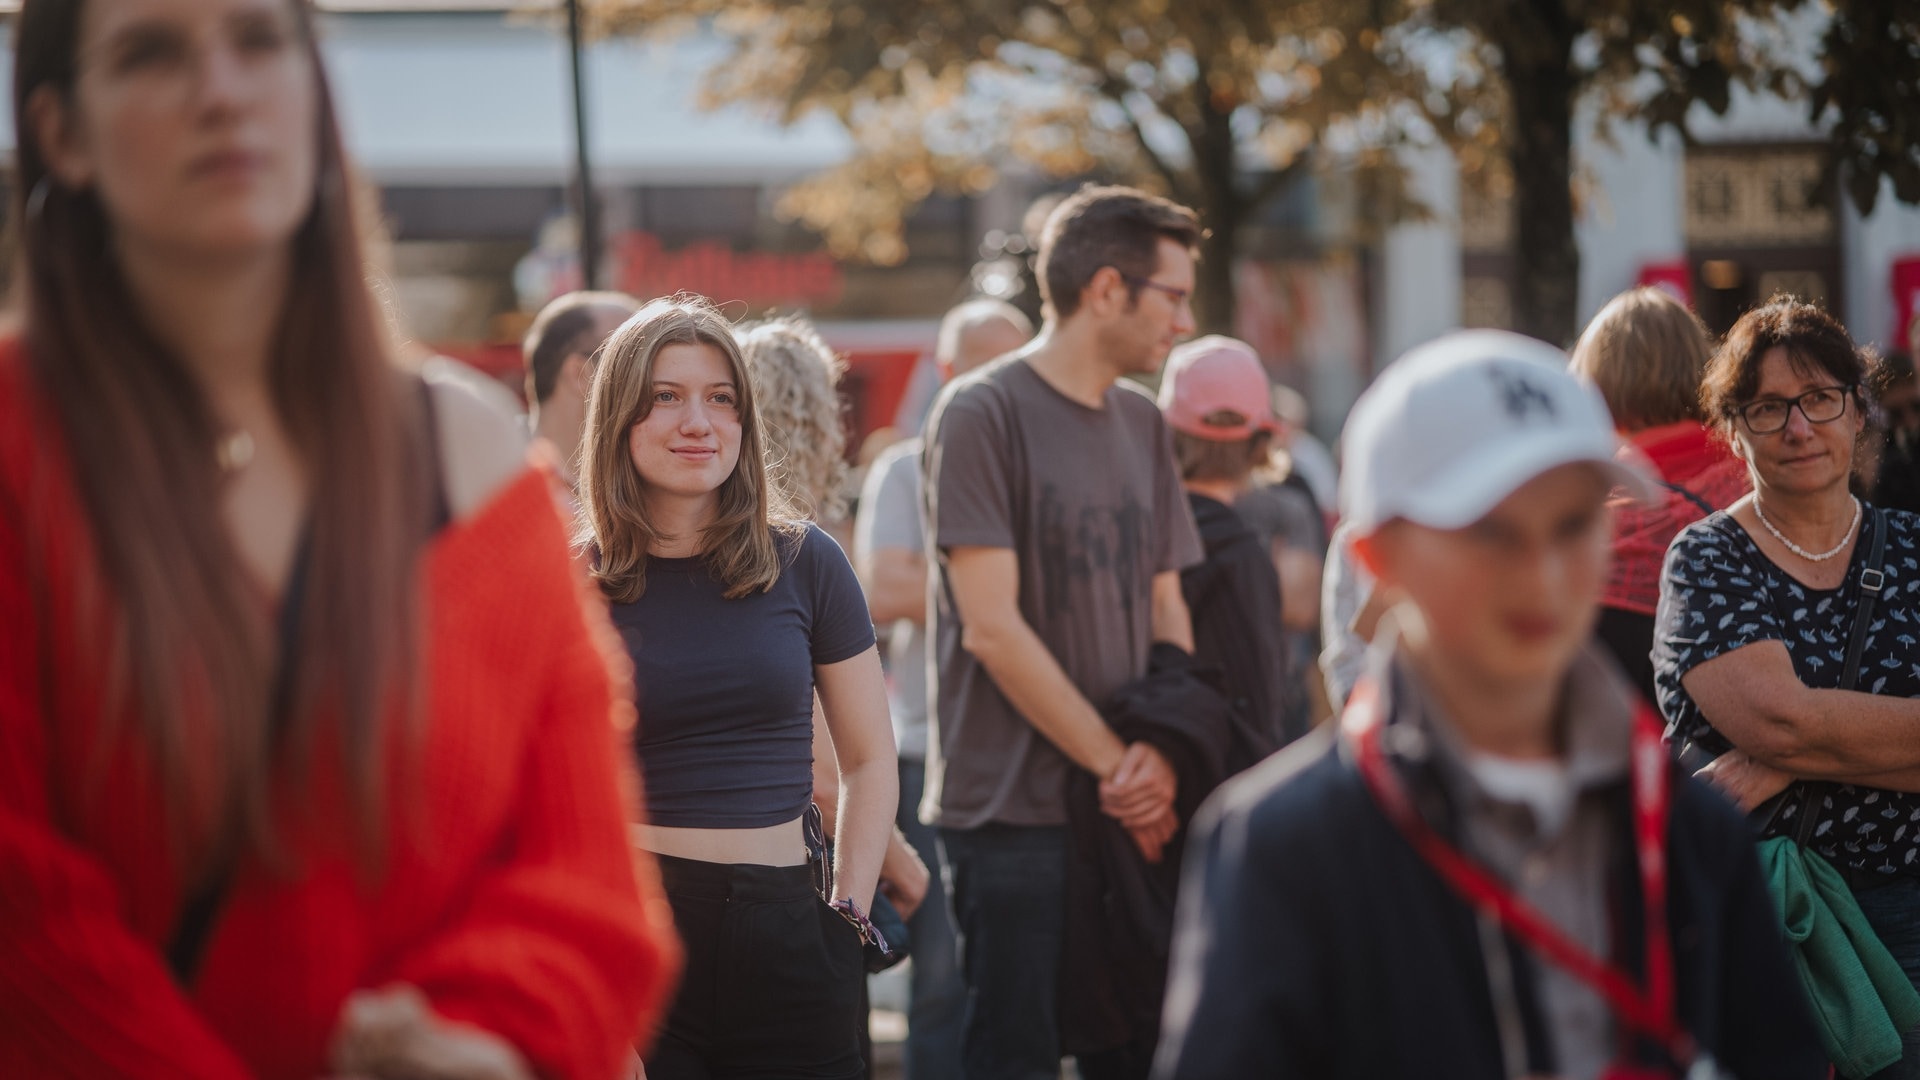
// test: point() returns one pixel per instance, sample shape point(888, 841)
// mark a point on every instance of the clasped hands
point(1139, 795)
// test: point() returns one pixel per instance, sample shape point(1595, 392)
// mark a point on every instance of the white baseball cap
point(1460, 423)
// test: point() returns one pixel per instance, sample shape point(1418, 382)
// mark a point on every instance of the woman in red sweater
point(309, 751)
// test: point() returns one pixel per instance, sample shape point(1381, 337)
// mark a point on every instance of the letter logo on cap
point(1521, 396)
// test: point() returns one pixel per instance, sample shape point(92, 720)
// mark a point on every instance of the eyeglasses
point(1822, 406)
point(1179, 296)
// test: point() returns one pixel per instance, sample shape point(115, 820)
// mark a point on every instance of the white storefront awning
point(433, 96)
point(487, 99)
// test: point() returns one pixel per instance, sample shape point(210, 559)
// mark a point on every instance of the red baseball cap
point(1216, 374)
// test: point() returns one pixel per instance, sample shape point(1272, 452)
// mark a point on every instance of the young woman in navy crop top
point(736, 615)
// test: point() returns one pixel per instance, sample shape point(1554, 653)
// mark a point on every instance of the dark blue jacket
point(1313, 941)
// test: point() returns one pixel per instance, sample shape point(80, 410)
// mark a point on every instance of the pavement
point(887, 1021)
point(887, 1025)
point(889, 1031)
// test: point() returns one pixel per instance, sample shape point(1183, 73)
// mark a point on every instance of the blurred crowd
point(353, 725)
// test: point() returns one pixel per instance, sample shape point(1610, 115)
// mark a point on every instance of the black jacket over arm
point(1120, 908)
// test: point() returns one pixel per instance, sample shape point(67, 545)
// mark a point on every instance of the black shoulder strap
point(1872, 579)
point(1705, 507)
point(441, 507)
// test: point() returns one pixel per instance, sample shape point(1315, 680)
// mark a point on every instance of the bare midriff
point(784, 844)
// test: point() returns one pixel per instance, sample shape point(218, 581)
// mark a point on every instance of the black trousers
point(773, 981)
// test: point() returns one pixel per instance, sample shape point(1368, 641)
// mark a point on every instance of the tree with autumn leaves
point(1222, 103)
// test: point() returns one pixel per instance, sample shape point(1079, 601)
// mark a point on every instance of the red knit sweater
point(1688, 456)
point(512, 897)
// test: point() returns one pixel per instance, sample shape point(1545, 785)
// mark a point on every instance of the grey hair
point(972, 315)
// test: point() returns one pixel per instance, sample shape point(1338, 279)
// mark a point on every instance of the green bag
point(1860, 998)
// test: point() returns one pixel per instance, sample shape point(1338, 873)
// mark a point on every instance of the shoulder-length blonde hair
point(739, 544)
point(796, 377)
point(1647, 354)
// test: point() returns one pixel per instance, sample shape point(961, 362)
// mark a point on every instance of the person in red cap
point(1216, 398)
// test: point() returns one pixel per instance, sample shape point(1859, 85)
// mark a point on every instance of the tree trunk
point(1214, 305)
point(1221, 208)
point(1546, 283)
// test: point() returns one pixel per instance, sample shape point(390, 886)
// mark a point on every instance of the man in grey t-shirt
point(890, 553)
point(1058, 526)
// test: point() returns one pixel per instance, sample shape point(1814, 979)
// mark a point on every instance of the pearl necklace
point(1803, 552)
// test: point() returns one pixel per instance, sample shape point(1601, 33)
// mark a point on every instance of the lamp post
point(582, 160)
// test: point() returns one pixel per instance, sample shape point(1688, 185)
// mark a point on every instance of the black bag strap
point(1872, 579)
point(1680, 490)
point(191, 932)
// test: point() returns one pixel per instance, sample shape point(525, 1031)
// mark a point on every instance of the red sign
point(874, 385)
point(644, 268)
point(1905, 277)
point(1673, 276)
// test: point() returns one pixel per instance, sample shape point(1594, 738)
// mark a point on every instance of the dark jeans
point(1893, 910)
point(773, 981)
point(1007, 884)
point(937, 998)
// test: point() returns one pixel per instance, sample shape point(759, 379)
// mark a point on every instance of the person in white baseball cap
point(1448, 432)
point(1462, 422)
point(1490, 856)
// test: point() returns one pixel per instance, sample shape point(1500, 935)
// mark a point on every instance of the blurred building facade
point(459, 113)
point(1725, 223)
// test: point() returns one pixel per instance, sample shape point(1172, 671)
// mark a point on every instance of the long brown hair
point(191, 646)
point(739, 545)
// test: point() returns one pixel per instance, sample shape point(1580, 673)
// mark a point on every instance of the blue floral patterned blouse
point(1719, 593)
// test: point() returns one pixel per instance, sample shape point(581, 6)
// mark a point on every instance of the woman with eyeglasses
point(1757, 618)
point(309, 752)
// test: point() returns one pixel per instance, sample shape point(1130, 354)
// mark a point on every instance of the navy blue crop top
point(725, 687)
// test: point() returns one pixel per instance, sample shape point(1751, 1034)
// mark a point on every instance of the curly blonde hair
point(795, 380)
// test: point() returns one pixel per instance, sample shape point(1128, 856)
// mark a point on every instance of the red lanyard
point(1649, 1010)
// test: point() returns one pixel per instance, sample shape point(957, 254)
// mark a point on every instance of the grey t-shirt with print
point(1090, 502)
